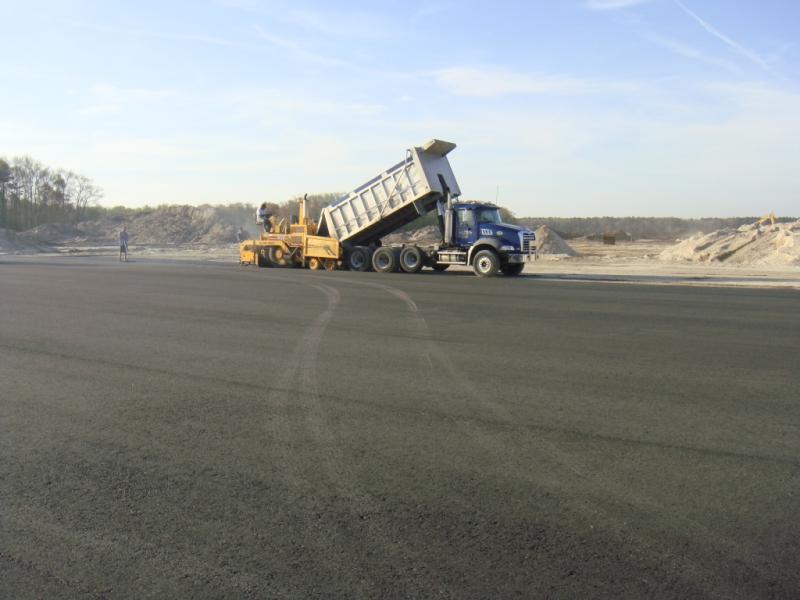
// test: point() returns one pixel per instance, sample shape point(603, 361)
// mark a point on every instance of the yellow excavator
point(293, 245)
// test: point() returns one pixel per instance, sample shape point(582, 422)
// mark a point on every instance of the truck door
point(465, 226)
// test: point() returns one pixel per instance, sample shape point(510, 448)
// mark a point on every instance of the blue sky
point(571, 107)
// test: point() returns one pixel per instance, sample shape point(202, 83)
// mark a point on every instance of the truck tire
point(263, 259)
point(370, 251)
point(384, 260)
point(357, 259)
point(440, 266)
point(277, 257)
point(411, 259)
point(486, 263)
point(512, 269)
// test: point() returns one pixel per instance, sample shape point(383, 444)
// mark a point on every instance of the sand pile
point(181, 225)
point(12, 242)
point(548, 242)
point(767, 245)
point(55, 233)
point(174, 225)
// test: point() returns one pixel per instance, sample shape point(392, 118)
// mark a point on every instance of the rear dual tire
point(358, 259)
point(411, 259)
point(384, 260)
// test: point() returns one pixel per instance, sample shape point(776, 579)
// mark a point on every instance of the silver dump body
point(395, 197)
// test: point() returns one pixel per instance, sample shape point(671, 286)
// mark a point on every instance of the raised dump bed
point(393, 198)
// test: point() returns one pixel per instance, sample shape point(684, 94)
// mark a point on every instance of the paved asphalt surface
point(175, 431)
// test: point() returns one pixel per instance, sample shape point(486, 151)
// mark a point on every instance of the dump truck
point(350, 231)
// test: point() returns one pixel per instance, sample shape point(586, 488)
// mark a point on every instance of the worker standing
point(263, 217)
point(123, 244)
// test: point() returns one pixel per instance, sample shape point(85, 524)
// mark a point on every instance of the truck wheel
point(370, 250)
point(357, 259)
point(314, 263)
point(486, 263)
point(277, 257)
point(384, 260)
point(263, 259)
point(440, 266)
point(411, 259)
point(512, 269)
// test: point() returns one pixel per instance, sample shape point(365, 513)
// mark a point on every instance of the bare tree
point(5, 178)
point(82, 192)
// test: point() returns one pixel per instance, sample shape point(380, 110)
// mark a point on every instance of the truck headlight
point(507, 248)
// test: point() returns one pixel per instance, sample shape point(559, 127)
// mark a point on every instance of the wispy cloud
point(732, 44)
point(489, 82)
point(276, 108)
point(106, 99)
point(687, 51)
point(613, 4)
point(350, 25)
point(300, 50)
point(162, 35)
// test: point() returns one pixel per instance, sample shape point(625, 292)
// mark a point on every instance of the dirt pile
point(548, 242)
point(12, 242)
point(184, 225)
point(54, 233)
point(163, 226)
point(767, 245)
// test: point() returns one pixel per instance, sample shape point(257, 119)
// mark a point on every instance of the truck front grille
point(528, 242)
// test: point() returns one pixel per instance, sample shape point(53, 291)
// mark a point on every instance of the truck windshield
point(488, 215)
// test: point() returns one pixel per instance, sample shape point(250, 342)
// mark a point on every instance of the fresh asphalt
point(200, 431)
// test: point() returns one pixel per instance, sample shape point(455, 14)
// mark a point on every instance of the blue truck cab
point(475, 235)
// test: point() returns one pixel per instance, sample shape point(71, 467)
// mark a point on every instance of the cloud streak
point(142, 33)
point(109, 99)
point(751, 55)
point(686, 51)
point(613, 4)
point(299, 50)
point(492, 82)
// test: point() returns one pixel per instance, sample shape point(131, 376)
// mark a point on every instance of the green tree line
point(32, 194)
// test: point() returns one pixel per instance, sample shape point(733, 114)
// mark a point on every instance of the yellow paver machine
point(292, 245)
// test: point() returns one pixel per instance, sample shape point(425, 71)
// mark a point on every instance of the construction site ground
point(625, 262)
point(191, 429)
point(637, 262)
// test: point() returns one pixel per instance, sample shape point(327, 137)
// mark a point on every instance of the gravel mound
point(54, 233)
point(12, 242)
point(163, 226)
point(548, 242)
point(766, 245)
point(183, 225)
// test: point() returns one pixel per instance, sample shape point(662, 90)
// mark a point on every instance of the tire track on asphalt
point(134, 547)
point(562, 458)
point(366, 510)
point(299, 382)
point(286, 443)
